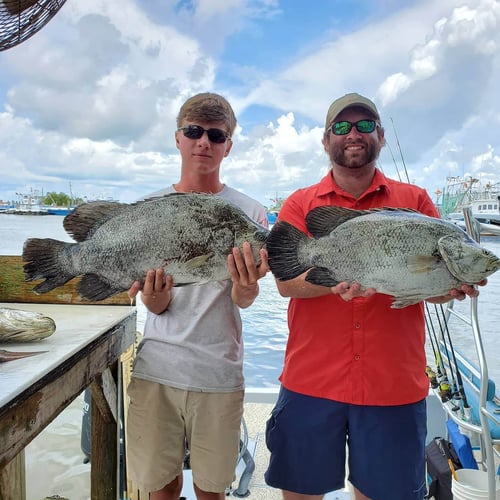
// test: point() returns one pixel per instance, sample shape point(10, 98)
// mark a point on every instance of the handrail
point(487, 448)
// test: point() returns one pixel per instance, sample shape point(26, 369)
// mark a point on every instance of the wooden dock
point(84, 351)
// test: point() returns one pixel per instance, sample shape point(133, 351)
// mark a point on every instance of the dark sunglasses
point(362, 126)
point(216, 135)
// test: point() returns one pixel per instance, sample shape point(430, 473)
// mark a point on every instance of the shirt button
point(357, 326)
point(357, 357)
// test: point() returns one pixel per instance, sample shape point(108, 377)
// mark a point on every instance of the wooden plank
point(29, 413)
point(13, 287)
point(12, 479)
point(104, 445)
point(106, 397)
point(127, 359)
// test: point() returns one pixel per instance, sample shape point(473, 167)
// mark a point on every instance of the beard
point(354, 159)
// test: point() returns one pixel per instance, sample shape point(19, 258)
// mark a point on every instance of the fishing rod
point(447, 345)
point(444, 385)
point(394, 160)
point(456, 385)
point(463, 396)
point(400, 150)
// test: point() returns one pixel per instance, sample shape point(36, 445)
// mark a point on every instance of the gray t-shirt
point(197, 344)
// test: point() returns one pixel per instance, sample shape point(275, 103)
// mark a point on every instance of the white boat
point(485, 229)
point(29, 204)
point(483, 199)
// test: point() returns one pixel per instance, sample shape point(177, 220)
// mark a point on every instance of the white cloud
point(92, 98)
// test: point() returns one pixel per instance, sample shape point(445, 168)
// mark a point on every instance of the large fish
point(189, 235)
point(17, 325)
point(396, 251)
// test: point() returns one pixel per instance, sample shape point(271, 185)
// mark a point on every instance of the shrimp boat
point(483, 199)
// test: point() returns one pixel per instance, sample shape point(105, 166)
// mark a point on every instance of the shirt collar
point(328, 186)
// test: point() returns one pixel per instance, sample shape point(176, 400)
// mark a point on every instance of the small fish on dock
point(13, 355)
point(17, 325)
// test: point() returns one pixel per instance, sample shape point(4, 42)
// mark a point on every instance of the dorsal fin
point(89, 216)
point(321, 221)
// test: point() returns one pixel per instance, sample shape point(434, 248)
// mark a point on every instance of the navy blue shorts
point(307, 438)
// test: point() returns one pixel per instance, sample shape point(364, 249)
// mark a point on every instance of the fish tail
point(283, 250)
point(42, 261)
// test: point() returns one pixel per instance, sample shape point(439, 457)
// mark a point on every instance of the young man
point(354, 371)
point(187, 383)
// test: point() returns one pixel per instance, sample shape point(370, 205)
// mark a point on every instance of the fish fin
point(401, 302)
point(198, 261)
point(41, 257)
point(86, 218)
point(179, 285)
point(282, 247)
point(92, 287)
point(321, 221)
point(321, 276)
point(422, 263)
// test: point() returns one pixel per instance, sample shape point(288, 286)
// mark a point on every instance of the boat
point(59, 210)
point(483, 199)
point(272, 215)
point(485, 229)
point(274, 210)
point(29, 204)
point(6, 207)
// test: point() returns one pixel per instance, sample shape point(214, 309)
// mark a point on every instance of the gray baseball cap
point(347, 101)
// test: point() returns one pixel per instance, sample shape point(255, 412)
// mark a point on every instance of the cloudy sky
point(89, 102)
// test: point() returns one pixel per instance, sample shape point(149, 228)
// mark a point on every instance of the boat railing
point(484, 419)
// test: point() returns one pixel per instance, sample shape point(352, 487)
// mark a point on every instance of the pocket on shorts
point(132, 389)
point(271, 427)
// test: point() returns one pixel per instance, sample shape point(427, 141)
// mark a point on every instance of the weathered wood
point(29, 413)
point(13, 287)
point(127, 361)
point(104, 392)
point(104, 449)
point(12, 480)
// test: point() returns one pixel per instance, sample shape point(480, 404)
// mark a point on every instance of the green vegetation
point(60, 200)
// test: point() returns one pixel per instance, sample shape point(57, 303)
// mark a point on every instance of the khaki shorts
point(160, 419)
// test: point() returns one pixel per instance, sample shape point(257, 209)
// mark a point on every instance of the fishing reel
point(431, 374)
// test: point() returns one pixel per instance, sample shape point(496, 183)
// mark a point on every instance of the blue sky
point(90, 101)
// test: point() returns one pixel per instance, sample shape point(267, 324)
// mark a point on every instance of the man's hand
point(245, 273)
point(349, 291)
point(155, 291)
point(458, 293)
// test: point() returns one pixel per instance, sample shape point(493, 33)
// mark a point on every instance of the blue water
point(265, 326)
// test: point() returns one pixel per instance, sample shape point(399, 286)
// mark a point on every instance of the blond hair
point(208, 107)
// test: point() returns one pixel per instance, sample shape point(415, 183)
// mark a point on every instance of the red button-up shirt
point(361, 351)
